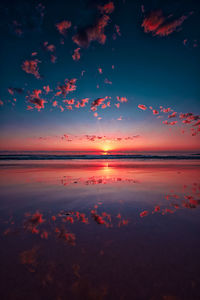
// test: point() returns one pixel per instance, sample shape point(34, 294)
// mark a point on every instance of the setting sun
point(105, 148)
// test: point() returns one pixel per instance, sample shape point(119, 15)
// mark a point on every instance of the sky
point(100, 75)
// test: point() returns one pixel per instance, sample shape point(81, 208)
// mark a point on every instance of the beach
point(100, 229)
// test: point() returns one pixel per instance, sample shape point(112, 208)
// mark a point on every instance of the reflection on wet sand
point(100, 231)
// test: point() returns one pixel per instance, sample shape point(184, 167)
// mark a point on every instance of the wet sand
point(100, 230)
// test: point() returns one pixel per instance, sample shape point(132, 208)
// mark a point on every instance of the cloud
point(142, 9)
point(47, 88)
point(152, 22)
point(170, 123)
point(55, 103)
point(76, 55)
point(107, 81)
point(84, 101)
point(122, 99)
point(35, 99)
point(165, 110)
point(1, 103)
point(91, 33)
point(70, 102)
point(108, 8)
point(142, 106)
point(185, 42)
point(29, 107)
point(63, 26)
point(117, 29)
point(61, 108)
point(159, 25)
point(96, 103)
point(100, 70)
point(169, 27)
point(53, 58)
point(12, 90)
point(31, 67)
point(173, 115)
point(68, 86)
point(189, 118)
point(197, 123)
point(155, 112)
point(49, 47)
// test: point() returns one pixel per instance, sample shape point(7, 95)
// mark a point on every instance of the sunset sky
point(100, 75)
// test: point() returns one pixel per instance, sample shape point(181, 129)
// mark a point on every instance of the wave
point(104, 157)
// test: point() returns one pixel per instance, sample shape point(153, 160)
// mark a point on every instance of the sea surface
point(106, 227)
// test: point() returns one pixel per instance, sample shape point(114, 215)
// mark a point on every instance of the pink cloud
point(61, 108)
point(107, 81)
point(153, 21)
point(84, 101)
point(159, 25)
point(96, 103)
point(1, 103)
point(142, 9)
point(12, 90)
point(122, 99)
point(185, 42)
point(142, 106)
point(47, 89)
point(170, 27)
point(100, 70)
point(155, 112)
point(108, 8)
point(197, 123)
point(68, 86)
point(55, 103)
point(170, 123)
point(92, 33)
point(70, 102)
point(166, 110)
point(35, 99)
point(49, 48)
point(117, 28)
point(173, 115)
point(63, 26)
point(31, 67)
point(76, 55)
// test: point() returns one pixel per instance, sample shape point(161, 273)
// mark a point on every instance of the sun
point(106, 148)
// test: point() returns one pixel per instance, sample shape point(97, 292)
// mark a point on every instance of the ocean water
point(55, 155)
point(100, 228)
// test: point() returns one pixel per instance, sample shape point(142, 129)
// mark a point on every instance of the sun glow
point(106, 149)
